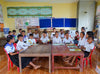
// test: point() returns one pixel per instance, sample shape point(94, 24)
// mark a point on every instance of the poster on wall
point(24, 22)
point(1, 15)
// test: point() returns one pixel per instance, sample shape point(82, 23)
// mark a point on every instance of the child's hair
point(54, 28)
point(9, 38)
point(83, 33)
point(45, 32)
point(77, 31)
point(23, 31)
point(19, 36)
point(91, 37)
point(66, 33)
point(9, 32)
point(14, 31)
point(83, 28)
point(36, 29)
point(61, 29)
point(90, 33)
point(20, 29)
point(31, 35)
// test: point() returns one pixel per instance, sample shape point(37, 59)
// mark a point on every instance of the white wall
point(86, 19)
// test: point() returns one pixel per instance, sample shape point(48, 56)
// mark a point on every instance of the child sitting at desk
point(57, 39)
point(29, 32)
point(87, 48)
point(9, 33)
point(24, 36)
point(53, 33)
point(44, 39)
point(36, 34)
point(76, 38)
point(20, 44)
point(61, 34)
point(67, 39)
point(14, 34)
point(31, 41)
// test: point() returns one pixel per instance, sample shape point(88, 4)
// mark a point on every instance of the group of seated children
point(84, 42)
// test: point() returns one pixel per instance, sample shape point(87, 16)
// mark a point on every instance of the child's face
point(81, 35)
point(14, 33)
point(20, 31)
point(87, 35)
point(82, 30)
point(90, 40)
point(10, 33)
point(29, 31)
point(31, 37)
point(76, 33)
point(20, 38)
point(12, 40)
point(67, 35)
point(61, 31)
point(56, 35)
point(23, 33)
point(44, 34)
point(54, 30)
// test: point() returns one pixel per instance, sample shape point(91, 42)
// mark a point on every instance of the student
point(24, 36)
point(83, 29)
point(53, 33)
point(14, 34)
point(20, 31)
point(9, 33)
point(36, 34)
point(13, 54)
point(88, 46)
point(31, 41)
point(57, 39)
point(44, 39)
point(81, 39)
point(67, 39)
point(45, 30)
point(76, 38)
point(61, 34)
point(20, 44)
point(29, 32)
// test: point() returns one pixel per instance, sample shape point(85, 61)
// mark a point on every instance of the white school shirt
point(46, 36)
point(82, 42)
point(44, 40)
point(25, 38)
point(21, 45)
point(57, 40)
point(61, 35)
point(28, 34)
point(69, 40)
point(9, 48)
point(36, 35)
point(89, 46)
point(52, 34)
point(31, 42)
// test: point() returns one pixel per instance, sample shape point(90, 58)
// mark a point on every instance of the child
point(53, 33)
point(20, 31)
point(67, 39)
point(83, 29)
point(20, 44)
point(29, 32)
point(88, 46)
point(14, 34)
point(81, 39)
point(61, 34)
point(9, 33)
point(36, 34)
point(24, 36)
point(31, 41)
point(45, 30)
point(44, 39)
point(57, 39)
point(76, 37)
point(10, 49)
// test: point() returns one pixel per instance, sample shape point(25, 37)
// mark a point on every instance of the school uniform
point(44, 40)
point(25, 38)
point(61, 35)
point(52, 34)
point(82, 41)
point(69, 40)
point(31, 42)
point(88, 47)
point(46, 36)
point(9, 48)
point(36, 35)
point(28, 34)
point(21, 45)
point(57, 40)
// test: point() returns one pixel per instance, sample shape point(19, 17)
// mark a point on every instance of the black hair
point(83, 28)
point(9, 32)
point(61, 29)
point(29, 29)
point(23, 30)
point(90, 33)
point(91, 37)
point(20, 35)
point(77, 31)
point(45, 29)
point(14, 31)
point(54, 28)
point(45, 32)
point(9, 38)
point(83, 33)
point(56, 32)
point(67, 31)
point(20, 29)
point(31, 35)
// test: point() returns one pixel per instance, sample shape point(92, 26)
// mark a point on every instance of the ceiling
point(50, 1)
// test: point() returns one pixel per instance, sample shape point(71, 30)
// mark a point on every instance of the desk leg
point(52, 63)
point(20, 66)
point(81, 63)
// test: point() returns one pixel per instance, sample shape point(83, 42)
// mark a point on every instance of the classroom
point(49, 36)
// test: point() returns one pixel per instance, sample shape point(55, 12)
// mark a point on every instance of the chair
point(9, 61)
point(86, 59)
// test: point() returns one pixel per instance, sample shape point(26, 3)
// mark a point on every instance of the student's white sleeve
point(64, 40)
point(60, 41)
point(53, 41)
point(41, 38)
point(34, 41)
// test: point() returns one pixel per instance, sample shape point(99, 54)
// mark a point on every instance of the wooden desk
point(36, 51)
point(62, 50)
